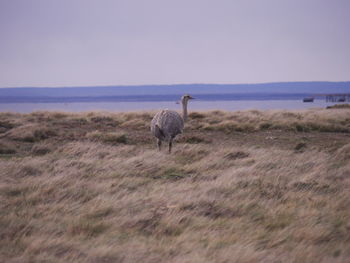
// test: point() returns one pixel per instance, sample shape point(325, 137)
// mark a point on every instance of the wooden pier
point(340, 97)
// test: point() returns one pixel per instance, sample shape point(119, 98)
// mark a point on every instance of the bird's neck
point(184, 110)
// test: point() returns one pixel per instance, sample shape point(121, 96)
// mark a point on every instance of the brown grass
point(339, 106)
point(251, 186)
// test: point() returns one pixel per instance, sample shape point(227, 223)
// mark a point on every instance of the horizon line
point(178, 84)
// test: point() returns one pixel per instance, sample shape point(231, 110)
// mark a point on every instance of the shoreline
point(196, 105)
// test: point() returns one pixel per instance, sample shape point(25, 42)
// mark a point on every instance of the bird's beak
point(191, 98)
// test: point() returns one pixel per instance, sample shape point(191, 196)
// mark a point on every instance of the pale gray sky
point(115, 42)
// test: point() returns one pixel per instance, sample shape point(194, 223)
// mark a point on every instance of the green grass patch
point(86, 228)
point(339, 106)
point(108, 137)
point(174, 174)
point(194, 140)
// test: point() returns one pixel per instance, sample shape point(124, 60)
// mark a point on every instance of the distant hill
point(47, 94)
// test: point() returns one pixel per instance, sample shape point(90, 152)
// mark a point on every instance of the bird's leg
point(159, 142)
point(170, 145)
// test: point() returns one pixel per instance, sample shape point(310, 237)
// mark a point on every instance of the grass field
point(250, 186)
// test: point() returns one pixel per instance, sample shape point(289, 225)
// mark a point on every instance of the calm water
point(155, 105)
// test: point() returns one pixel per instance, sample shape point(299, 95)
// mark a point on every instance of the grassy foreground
point(251, 186)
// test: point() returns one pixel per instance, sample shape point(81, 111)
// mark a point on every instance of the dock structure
point(337, 97)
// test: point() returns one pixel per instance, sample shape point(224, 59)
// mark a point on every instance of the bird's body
point(167, 124)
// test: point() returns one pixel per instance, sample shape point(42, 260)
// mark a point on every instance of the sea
point(203, 102)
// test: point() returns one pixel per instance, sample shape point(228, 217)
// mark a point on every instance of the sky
point(50, 43)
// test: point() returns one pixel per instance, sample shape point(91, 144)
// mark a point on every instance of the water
point(197, 105)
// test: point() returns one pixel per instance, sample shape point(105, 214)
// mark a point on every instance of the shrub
point(196, 115)
point(236, 155)
point(45, 133)
point(105, 120)
point(59, 115)
point(30, 134)
point(30, 170)
point(109, 137)
point(88, 228)
point(116, 137)
point(301, 127)
point(6, 124)
point(339, 106)
point(175, 174)
point(265, 126)
point(194, 140)
point(40, 149)
point(4, 149)
point(300, 147)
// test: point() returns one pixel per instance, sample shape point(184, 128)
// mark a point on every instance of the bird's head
point(186, 98)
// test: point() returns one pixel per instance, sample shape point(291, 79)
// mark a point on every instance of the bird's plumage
point(166, 124)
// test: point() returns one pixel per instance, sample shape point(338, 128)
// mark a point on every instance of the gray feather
point(159, 133)
point(166, 124)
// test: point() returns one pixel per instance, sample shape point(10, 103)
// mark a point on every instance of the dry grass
point(250, 186)
point(339, 106)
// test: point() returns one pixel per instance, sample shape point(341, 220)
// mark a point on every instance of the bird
point(167, 124)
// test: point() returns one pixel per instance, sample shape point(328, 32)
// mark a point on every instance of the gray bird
point(166, 124)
